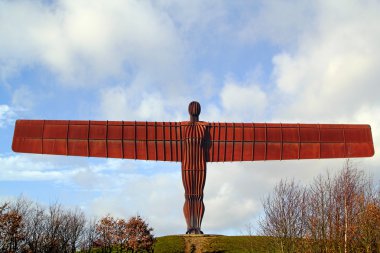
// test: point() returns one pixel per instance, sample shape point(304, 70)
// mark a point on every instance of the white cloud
point(129, 103)
point(114, 103)
point(29, 167)
point(7, 115)
point(278, 22)
point(134, 103)
point(91, 40)
point(24, 167)
point(333, 71)
point(206, 86)
point(23, 98)
point(192, 14)
point(243, 101)
point(238, 101)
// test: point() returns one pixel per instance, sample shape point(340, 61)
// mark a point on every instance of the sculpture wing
point(268, 141)
point(158, 141)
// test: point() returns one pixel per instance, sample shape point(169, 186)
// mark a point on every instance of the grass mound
point(210, 243)
point(213, 243)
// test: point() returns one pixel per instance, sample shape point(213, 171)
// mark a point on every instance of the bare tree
point(349, 186)
point(319, 218)
point(35, 228)
point(28, 227)
point(337, 214)
point(76, 222)
point(285, 215)
point(88, 238)
point(54, 222)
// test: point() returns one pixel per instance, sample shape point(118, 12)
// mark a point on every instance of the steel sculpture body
point(193, 143)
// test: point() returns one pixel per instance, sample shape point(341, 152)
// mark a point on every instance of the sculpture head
point(194, 111)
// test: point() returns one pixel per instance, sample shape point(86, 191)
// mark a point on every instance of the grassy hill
point(213, 243)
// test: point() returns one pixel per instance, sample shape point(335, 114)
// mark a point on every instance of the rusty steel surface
point(163, 141)
point(193, 143)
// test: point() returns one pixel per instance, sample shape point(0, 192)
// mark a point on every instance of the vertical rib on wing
point(115, 139)
point(269, 141)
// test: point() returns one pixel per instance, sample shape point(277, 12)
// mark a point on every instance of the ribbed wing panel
point(115, 139)
point(268, 141)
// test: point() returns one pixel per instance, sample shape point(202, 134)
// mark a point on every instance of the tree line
point(28, 227)
point(335, 213)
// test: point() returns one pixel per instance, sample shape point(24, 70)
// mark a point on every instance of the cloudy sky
point(244, 61)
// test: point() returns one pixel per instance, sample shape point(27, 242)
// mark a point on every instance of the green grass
point(169, 244)
point(213, 243)
point(210, 243)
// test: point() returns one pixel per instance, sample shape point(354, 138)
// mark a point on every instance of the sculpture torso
point(194, 174)
point(194, 144)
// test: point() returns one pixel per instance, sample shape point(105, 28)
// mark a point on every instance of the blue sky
point(259, 61)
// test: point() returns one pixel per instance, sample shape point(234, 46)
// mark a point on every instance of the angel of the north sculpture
point(193, 143)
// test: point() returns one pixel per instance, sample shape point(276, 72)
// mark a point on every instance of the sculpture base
point(194, 231)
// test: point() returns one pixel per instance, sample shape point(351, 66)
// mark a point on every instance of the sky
point(245, 61)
